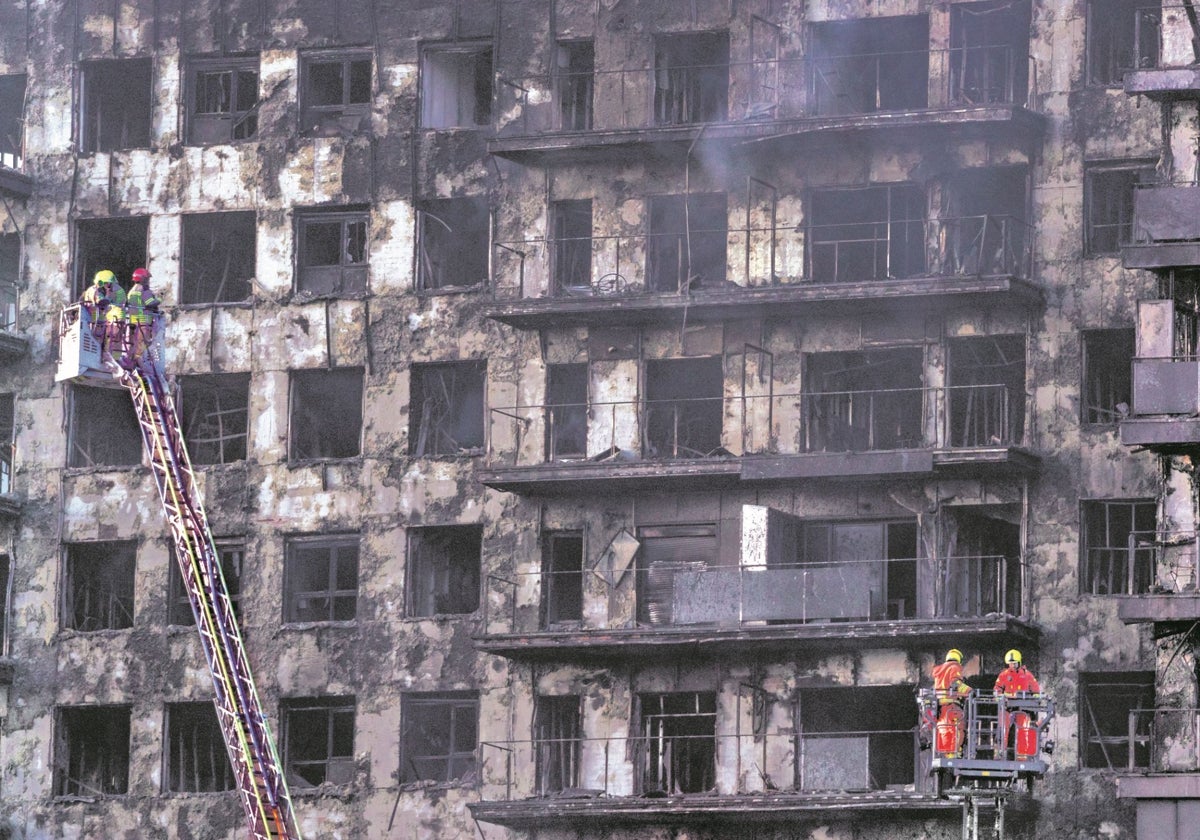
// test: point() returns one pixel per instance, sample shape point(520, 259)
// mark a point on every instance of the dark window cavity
point(867, 233)
point(859, 401)
point(446, 408)
point(231, 552)
point(456, 86)
point(1108, 204)
point(558, 728)
point(1118, 543)
point(321, 579)
point(667, 550)
point(318, 740)
point(562, 578)
point(856, 739)
point(1107, 383)
point(335, 91)
point(218, 257)
point(567, 411)
point(104, 430)
point(5, 600)
point(115, 105)
point(118, 245)
point(678, 752)
point(443, 570)
point(215, 416)
point(987, 391)
point(333, 252)
point(97, 588)
point(195, 750)
point(91, 751)
point(684, 407)
point(222, 100)
point(452, 247)
point(438, 736)
point(575, 69)
point(691, 78)
point(326, 413)
point(12, 120)
point(989, 52)
point(862, 66)
point(1105, 701)
point(572, 254)
point(1122, 35)
point(7, 442)
point(10, 274)
point(687, 242)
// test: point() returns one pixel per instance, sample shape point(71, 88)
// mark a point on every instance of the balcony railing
point(1162, 38)
point(691, 592)
point(1158, 740)
point(681, 765)
point(724, 259)
point(648, 97)
point(959, 417)
point(1150, 561)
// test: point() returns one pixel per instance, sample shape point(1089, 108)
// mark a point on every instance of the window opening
point(984, 575)
point(91, 755)
point(868, 233)
point(1107, 382)
point(1105, 701)
point(446, 408)
point(863, 66)
point(231, 553)
point(667, 550)
point(572, 252)
point(1122, 35)
point(562, 578)
point(691, 78)
point(104, 431)
point(218, 258)
point(989, 48)
point(443, 570)
point(215, 416)
point(864, 401)
point(1119, 546)
point(116, 105)
point(439, 735)
point(118, 245)
point(688, 238)
point(1182, 285)
point(859, 570)
point(12, 120)
point(566, 397)
point(987, 393)
point(7, 442)
point(223, 100)
point(321, 579)
point(318, 739)
point(1109, 201)
point(559, 736)
point(333, 253)
point(856, 739)
point(5, 600)
point(326, 413)
point(684, 407)
point(680, 752)
point(335, 91)
point(456, 86)
point(982, 228)
point(98, 586)
point(453, 249)
point(196, 758)
point(10, 274)
point(575, 68)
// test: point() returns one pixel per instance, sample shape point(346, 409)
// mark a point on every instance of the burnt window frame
point(334, 707)
point(6, 591)
point(425, 571)
point(116, 574)
point(456, 704)
point(818, 544)
point(558, 740)
point(117, 243)
point(575, 86)
point(901, 256)
point(1139, 690)
point(484, 108)
point(1119, 204)
point(199, 718)
point(682, 409)
point(1140, 559)
point(891, 752)
point(216, 385)
point(231, 553)
point(655, 726)
point(701, 254)
point(665, 107)
point(571, 255)
point(435, 227)
point(98, 425)
point(1106, 369)
point(1117, 24)
point(347, 412)
point(848, 43)
point(12, 131)
point(191, 288)
point(90, 720)
point(89, 133)
point(332, 593)
point(8, 442)
point(349, 114)
point(236, 116)
point(347, 281)
point(556, 580)
point(10, 277)
point(567, 421)
point(645, 584)
point(455, 407)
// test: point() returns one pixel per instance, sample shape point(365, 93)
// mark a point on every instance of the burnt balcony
point(976, 89)
point(1165, 381)
point(723, 440)
point(673, 772)
point(1166, 227)
point(1165, 65)
point(1156, 576)
point(718, 273)
point(12, 344)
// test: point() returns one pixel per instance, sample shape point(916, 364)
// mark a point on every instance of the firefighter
point(141, 306)
point(95, 301)
point(950, 688)
point(114, 318)
point(1013, 681)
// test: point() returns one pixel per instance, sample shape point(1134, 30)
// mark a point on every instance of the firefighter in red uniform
point(950, 689)
point(1014, 680)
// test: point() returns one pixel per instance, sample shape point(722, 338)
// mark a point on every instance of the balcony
point(1165, 383)
point(13, 346)
point(753, 272)
point(1156, 578)
point(722, 778)
point(724, 440)
point(978, 90)
point(1166, 227)
point(1165, 67)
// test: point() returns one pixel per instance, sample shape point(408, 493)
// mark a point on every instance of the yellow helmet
point(1013, 657)
point(954, 655)
point(104, 277)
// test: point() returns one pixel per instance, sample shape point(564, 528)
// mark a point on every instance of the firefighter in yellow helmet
point(1014, 680)
point(141, 306)
point(950, 689)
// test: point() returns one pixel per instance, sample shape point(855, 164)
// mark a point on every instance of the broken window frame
point(1117, 542)
point(90, 434)
point(876, 717)
point(665, 551)
point(12, 125)
point(1104, 734)
point(116, 243)
point(325, 414)
point(989, 61)
point(689, 93)
point(869, 65)
point(574, 83)
point(888, 229)
point(337, 758)
point(10, 275)
point(687, 241)
point(448, 759)
point(349, 112)
point(8, 441)
point(231, 553)
point(987, 399)
point(1107, 376)
point(444, 569)
point(677, 752)
point(233, 117)
point(133, 112)
point(228, 238)
point(566, 411)
point(454, 409)
point(472, 88)
point(334, 600)
point(75, 765)
point(1108, 202)
point(453, 242)
point(1118, 40)
point(558, 740)
point(6, 587)
point(683, 411)
point(98, 584)
point(562, 578)
point(571, 257)
point(216, 432)
point(864, 401)
point(194, 756)
point(350, 274)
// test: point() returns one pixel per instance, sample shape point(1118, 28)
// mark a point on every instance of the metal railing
point(724, 259)
point(1150, 561)
point(687, 593)
point(1159, 740)
point(681, 765)
point(958, 417)
point(739, 91)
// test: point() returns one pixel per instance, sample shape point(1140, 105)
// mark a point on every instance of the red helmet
point(140, 275)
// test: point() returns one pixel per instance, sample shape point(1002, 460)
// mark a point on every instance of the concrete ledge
point(1159, 786)
point(1160, 431)
point(1164, 83)
point(1143, 609)
point(1161, 254)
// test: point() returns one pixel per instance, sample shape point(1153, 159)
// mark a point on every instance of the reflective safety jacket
point(141, 304)
point(1012, 681)
point(948, 683)
point(115, 313)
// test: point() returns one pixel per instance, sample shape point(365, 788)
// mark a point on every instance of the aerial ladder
point(1001, 746)
point(83, 358)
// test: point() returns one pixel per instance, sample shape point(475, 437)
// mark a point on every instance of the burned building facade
point(609, 412)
